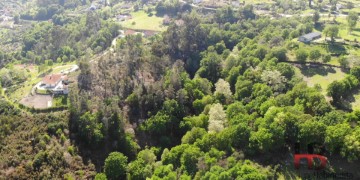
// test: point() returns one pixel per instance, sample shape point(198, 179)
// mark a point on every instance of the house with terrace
point(55, 83)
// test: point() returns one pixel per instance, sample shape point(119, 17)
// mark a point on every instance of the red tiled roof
point(129, 32)
point(53, 78)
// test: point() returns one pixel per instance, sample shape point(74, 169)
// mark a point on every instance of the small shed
point(309, 37)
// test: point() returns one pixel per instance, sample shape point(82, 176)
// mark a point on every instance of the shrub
point(71, 150)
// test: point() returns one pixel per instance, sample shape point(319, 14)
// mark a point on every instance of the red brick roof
point(53, 78)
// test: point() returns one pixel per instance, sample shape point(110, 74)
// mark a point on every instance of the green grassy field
point(142, 21)
point(319, 75)
point(343, 28)
point(356, 103)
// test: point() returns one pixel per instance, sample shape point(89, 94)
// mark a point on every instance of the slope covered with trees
point(215, 96)
point(206, 96)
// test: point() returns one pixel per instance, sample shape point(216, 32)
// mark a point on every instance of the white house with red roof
point(54, 83)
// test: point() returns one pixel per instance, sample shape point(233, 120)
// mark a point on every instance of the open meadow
point(142, 21)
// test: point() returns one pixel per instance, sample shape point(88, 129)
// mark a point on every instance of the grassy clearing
point(142, 21)
point(356, 102)
point(319, 75)
point(343, 28)
point(42, 91)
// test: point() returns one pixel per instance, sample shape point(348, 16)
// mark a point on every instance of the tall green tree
point(336, 90)
point(335, 136)
point(314, 55)
point(344, 63)
point(351, 148)
point(316, 17)
point(301, 55)
point(332, 31)
point(352, 19)
point(210, 66)
point(115, 166)
point(355, 71)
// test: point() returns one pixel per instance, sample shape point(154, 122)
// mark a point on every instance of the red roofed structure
point(130, 32)
point(53, 80)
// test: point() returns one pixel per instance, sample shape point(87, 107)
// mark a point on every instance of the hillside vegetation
point(217, 94)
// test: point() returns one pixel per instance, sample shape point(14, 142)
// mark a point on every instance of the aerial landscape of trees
point(220, 94)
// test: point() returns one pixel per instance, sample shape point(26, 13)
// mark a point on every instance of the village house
point(309, 37)
point(55, 83)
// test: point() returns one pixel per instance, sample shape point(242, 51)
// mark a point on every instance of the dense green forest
point(217, 96)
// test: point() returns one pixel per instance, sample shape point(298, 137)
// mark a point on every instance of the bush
point(71, 150)
point(301, 55)
point(326, 58)
point(344, 63)
point(39, 159)
point(62, 138)
point(115, 165)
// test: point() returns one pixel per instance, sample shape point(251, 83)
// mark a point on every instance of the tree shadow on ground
point(345, 70)
point(336, 48)
point(319, 27)
point(347, 100)
point(312, 70)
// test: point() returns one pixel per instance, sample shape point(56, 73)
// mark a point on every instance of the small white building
point(197, 1)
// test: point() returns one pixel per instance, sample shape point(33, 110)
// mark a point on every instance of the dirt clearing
point(37, 101)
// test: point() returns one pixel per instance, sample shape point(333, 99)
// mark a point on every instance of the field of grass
point(24, 89)
point(356, 102)
point(319, 75)
point(343, 28)
point(42, 91)
point(142, 21)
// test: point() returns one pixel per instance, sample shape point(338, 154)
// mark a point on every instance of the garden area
point(144, 21)
point(23, 78)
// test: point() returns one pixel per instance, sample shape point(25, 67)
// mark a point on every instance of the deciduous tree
point(352, 19)
point(314, 55)
point(115, 166)
point(301, 55)
point(217, 118)
point(332, 31)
